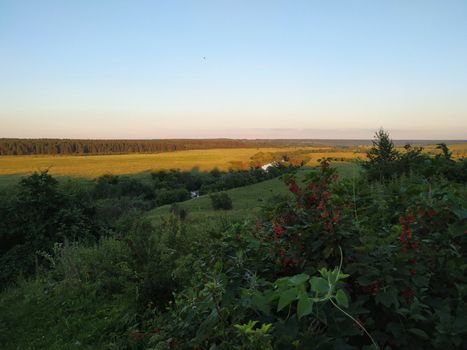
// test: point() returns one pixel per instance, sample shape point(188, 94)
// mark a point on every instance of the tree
point(381, 156)
point(221, 200)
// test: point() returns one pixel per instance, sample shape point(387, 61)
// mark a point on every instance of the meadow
point(247, 201)
point(92, 166)
point(12, 168)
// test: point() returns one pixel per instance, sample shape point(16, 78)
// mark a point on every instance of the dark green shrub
point(166, 196)
point(221, 200)
point(179, 212)
point(37, 215)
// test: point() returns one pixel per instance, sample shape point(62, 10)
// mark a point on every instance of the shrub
point(179, 212)
point(39, 214)
point(221, 200)
point(403, 245)
point(166, 196)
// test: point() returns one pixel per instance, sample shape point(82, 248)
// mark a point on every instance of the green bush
point(165, 196)
point(221, 201)
point(401, 242)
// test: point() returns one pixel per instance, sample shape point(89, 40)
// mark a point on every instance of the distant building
point(194, 194)
point(266, 166)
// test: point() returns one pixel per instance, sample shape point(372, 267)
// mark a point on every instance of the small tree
point(382, 156)
point(446, 154)
point(221, 200)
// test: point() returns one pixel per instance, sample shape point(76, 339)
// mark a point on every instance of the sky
point(240, 69)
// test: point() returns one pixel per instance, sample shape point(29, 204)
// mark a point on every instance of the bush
point(399, 249)
point(179, 212)
point(221, 200)
point(166, 196)
point(39, 214)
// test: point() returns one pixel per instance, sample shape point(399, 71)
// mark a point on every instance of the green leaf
point(207, 326)
point(305, 306)
point(460, 212)
point(419, 333)
point(286, 298)
point(319, 285)
point(387, 298)
point(341, 298)
point(298, 279)
point(457, 229)
point(260, 302)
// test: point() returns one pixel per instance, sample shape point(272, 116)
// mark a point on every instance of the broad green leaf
point(305, 306)
point(366, 279)
point(298, 279)
point(460, 212)
point(341, 298)
point(319, 285)
point(419, 333)
point(286, 298)
point(260, 302)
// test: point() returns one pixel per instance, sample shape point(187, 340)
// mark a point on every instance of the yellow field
point(93, 166)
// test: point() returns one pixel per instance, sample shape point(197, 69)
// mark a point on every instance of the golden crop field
point(96, 165)
point(92, 166)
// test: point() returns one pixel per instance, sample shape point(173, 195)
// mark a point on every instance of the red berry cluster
point(409, 243)
point(406, 237)
point(278, 228)
point(372, 289)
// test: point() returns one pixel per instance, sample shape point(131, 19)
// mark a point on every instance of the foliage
point(385, 162)
point(221, 200)
point(39, 214)
point(353, 263)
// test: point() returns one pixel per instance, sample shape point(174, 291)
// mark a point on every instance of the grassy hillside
point(247, 201)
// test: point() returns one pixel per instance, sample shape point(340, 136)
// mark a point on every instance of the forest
point(376, 260)
point(65, 147)
point(9, 146)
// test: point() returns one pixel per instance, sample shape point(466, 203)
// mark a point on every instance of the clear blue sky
point(135, 69)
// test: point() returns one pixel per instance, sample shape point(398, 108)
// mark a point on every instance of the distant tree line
point(9, 146)
point(68, 146)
